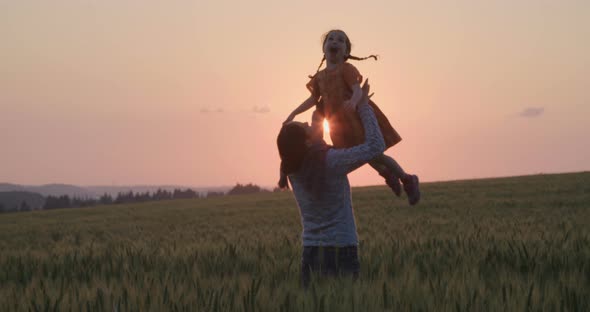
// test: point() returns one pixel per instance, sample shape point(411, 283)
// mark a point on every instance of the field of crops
point(511, 244)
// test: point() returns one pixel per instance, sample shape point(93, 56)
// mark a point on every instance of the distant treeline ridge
point(65, 201)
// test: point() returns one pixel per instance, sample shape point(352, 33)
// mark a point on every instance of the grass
point(514, 244)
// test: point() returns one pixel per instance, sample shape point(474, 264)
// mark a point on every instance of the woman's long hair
point(292, 147)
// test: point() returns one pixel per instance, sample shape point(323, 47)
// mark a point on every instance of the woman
point(318, 175)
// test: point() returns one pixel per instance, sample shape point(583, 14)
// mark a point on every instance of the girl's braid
point(318, 70)
point(356, 58)
point(351, 57)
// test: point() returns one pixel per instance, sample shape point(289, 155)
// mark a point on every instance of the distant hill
point(96, 191)
point(114, 190)
point(50, 190)
point(13, 201)
point(62, 189)
point(7, 187)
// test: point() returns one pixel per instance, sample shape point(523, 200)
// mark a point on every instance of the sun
point(326, 126)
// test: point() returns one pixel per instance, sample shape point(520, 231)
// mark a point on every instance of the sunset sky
point(194, 92)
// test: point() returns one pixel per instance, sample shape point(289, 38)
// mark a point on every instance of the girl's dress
point(334, 86)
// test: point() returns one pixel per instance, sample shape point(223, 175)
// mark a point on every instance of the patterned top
point(329, 220)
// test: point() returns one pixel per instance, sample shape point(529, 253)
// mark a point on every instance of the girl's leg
point(391, 179)
point(393, 173)
point(384, 162)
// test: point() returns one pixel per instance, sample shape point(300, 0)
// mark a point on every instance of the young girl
point(335, 91)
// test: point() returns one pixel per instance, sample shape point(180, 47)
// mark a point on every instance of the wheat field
point(507, 244)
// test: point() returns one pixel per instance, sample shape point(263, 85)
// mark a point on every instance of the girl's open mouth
point(333, 50)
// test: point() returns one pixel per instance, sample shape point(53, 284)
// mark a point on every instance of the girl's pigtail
point(356, 58)
point(318, 70)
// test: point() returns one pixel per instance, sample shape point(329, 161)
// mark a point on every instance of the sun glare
point(326, 126)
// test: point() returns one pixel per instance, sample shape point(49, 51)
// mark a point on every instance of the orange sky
point(194, 92)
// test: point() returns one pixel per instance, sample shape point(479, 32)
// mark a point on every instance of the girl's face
point(335, 49)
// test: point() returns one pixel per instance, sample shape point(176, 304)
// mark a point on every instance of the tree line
point(66, 201)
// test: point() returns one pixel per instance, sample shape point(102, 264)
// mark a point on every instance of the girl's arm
point(353, 79)
point(307, 104)
point(346, 160)
point(357, 94)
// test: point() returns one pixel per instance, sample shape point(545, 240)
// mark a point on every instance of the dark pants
point(329, 261)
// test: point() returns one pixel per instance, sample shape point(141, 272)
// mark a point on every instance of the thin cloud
point(206, 110)
point(531, 112)
point(261, 110)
